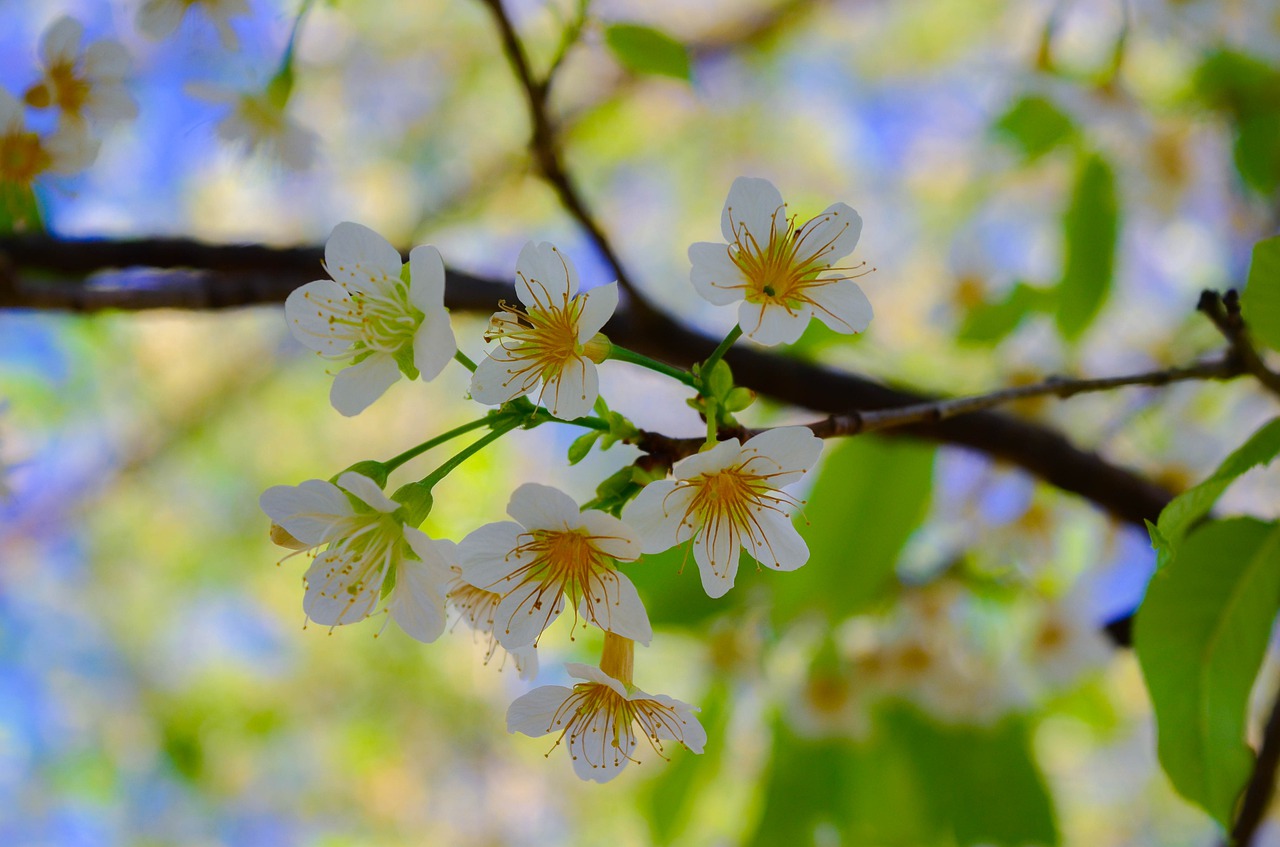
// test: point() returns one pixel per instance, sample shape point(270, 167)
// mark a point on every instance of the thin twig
point(1224, 311)
point(546, 152)
point(1262, 782)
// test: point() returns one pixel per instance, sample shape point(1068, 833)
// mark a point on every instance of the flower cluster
point(83, 85)
point(509, 581)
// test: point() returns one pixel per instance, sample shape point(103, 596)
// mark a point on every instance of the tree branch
point(1224, 311)
point(1262, 782)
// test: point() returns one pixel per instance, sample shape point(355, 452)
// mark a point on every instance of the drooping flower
point(88, 84)
point(728, 498)
point(549, 340)
point(553, 551)
point(159, 18)
point(369, 315)
point(258, 123)
point(478, 609)
point(601, 716)
point(366, 542)
point(783, 274)
point(25, 156)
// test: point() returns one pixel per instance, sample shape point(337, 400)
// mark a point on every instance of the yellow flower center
point(564, 562)
point(22, 158)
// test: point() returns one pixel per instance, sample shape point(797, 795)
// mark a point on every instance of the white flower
point(365, 543)
point(727, 498)
point(259, 124)
point(1065, 642)
point(159, 18)
point(778, 270)
point(600, 716)
point(555, 550)
point(88, 84)
point(368, 315)
point(25, 155)
point(547, 341)
point(478, 608)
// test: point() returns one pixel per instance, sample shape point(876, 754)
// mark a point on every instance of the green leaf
point(1090, 228)
point(1194, 503)
point(805, 787)
point(678, 793)
point(870, 495)
point(1260, 303)
point(988, 323)
point(645, 50)
point(672, 592)
point(19, 209)
point(1035, 126)
point(581, 446)
point(1257, 152)
point(1200, 635)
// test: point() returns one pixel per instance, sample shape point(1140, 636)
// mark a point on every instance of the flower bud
point(598, 348)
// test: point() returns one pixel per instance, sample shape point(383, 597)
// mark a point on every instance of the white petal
point(522, 616)
point(591, 673)
point(598, 306)
point(614, 605)
point(714, 275)
point(534, 713)
point(107, 60)
point(755, 204)
point(485, 555)
point(108, 102)
point(158, 18)
point(368, 491)
point(690, 733)
point(611, 536)
point(357, 386)
point(494, 383)
point(770, 323)
point(61, 42)
point(526, 659)
point(360, 259)
point(830, 236)
point(592, 752)
point(11, 114)
point(784, 454)
point(717, 550)
point(543, 507)
point(781, 547)
point(329, 601)
point(544, 276)
point(723, 455)
point(71, 148)
point(417, 601)
point(296, 146)
point(433, 344)
point(656, 514)
point(309, 312)
point(426, 278)
point(573, 392)
point(841, 305)
point(311, 512)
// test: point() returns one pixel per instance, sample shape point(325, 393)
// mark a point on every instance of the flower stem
point(465, 361)
point(414, 452)
point(618, 657)
point(500, 429)
point(718, 353)
point(622, 354)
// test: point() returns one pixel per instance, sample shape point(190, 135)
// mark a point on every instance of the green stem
point(718, 353)
point(622, 354)
point(465, 361)
point(467, 452)
point(713, 417)
point(542, 416)
point(414, 452)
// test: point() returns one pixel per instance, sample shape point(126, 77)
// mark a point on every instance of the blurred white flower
point(371, 316)
point(1065, 642)
point(258, 123)
point(365, 543)
point(82, 84)
point(159, 18)
point(478, 608)
point(26, 156)
point(600, 716)
point(784, 276)
point(727, 498)
point(553, 552)
point(548, 341)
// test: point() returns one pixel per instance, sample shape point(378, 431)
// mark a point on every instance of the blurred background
point(157, 685)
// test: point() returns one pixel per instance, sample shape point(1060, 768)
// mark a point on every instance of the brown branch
point(1262, 782)
point(1224, 311)
point(546, 150)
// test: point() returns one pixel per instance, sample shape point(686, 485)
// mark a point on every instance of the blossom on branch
point(553, 551)
point(159, 18)
point(728, 498)
point(366, 543)
point(549, 340)
point(478, 609)
point(600, 716)
point(82, 84)
point(370, 315)
point(782, 274)
point(257, 122)
point(25, 155)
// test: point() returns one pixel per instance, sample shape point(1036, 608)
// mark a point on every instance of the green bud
point(719, 381)
point(739, 399)
point(416, 501)
point(376, 471)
